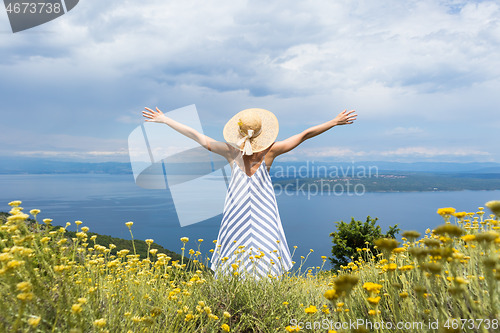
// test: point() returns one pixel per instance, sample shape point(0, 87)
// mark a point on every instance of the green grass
point(52, 283)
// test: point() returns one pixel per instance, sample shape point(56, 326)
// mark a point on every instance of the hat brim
point(268, 134)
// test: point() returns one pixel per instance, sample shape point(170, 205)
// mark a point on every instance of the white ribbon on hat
point(247, 149)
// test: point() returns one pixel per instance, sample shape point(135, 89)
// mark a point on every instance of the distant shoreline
point(306, 176)
point(402, 182)
point(383, 183)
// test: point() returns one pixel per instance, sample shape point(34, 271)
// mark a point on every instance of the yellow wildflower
point(34, 321)
point(406, 268)
point(79, 235)
point(76, 308)
point(184, 239)
point(373, 300)
point(225, 327)
point(433, 267)
point(388, 244)
point(14, 264)
point(35, 212)
point(460, 215)
point(311, 309)
point(372, 287)
point(24, 286)
point(494, 206)
point(17, 217)
point(345, 282)
point(411, 234)
point(128, 224)
point(25, 297)
point(487, 236)
point(100, 323)
point(5, 256)
point(460, 280)
point(44, 240)
point(449, 229)
point(468, 238)
point(390, 267)
point(446, 211)
point(331, 294)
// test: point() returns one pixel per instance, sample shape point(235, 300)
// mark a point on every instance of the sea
point(105, 202)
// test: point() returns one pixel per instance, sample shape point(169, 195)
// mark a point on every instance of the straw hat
point(251, 130)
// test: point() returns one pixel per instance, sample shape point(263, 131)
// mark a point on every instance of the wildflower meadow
point(446, 280)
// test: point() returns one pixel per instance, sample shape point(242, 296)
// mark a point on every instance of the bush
point(353, 235)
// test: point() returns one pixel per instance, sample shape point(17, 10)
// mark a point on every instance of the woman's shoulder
point(269, 156)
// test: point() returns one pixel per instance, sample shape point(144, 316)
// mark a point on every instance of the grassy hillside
point(141, 246)
point(445, 281)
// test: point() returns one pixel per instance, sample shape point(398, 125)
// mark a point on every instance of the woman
point(251, 237)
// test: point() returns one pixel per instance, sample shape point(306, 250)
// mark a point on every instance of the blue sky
point(424, 76)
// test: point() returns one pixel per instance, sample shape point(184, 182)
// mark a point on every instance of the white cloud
point(433, 152)
point(306, 49)
point(405, 131)
point(329, 152)
point(404, 62)
point(23, 142)
point(80, 154)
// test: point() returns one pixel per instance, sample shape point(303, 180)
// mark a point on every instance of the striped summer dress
point(251, 235)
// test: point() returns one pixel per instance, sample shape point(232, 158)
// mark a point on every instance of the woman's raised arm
point(343, 118)
point(157, 116)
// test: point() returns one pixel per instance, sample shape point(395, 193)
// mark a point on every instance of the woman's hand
point(345, 117)
point(154, 116)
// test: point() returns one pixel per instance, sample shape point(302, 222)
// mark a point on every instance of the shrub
point(356, 235)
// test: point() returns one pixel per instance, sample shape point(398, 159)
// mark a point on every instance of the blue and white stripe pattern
point(251, 235)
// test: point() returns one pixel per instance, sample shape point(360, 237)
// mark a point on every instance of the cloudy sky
point(424, 76)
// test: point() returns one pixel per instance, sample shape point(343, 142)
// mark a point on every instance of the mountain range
point(26, 165)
